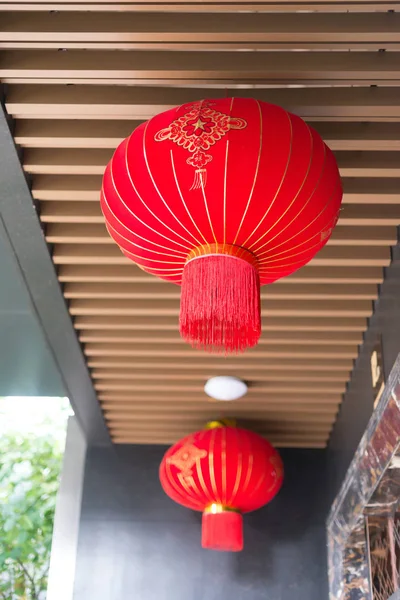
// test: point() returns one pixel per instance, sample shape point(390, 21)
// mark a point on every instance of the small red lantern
point(222, 471)
point(220, 196)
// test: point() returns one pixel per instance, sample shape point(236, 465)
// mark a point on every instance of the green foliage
point(29, 476)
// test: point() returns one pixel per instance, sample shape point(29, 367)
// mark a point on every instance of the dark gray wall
point(136, 544)
point(358, 400)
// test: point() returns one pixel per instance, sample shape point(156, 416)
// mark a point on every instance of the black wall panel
point(136, 544)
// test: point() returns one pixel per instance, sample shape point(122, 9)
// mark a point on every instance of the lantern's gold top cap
point(221, 423)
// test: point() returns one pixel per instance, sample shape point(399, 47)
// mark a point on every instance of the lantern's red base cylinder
point(220, 302)
point(222, 531)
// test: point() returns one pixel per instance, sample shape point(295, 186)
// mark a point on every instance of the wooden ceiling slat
point(313, 406)
point(117, 27)
point(370, 214)
point(330, 309)
point(96, 233)
point(188, 47)
point(264, 371)
point(313, 424)
point(270, 308)
point(328, 256)
point(292, 336)
point(166, 291)
point(179, 378)
point(69, 134)
point(72, 188)
point(263, 428)
point(265, 387)
point(224, 6)
point(315, 432)
point(194, 424)
point(274, 351)
point(263, 81)
point(124, 438)
point(106, 135)
point(333, 395)
point(89, 212)
point(70, 212)
point(67, 161)
point(262, 410)
point(267, 340)
point(371, 190)
point(78, 233)
point(130, 273)
point(177, 399)
point(302, 337)
point(77, 188)
point(363, 235)
point(160, 67)
point(221, 6)
point(211, 5)
point(182, 431)
point(151, 438)
point(368, 164)
point(86, 187)
point(267, 425)
point(182, 405)
point(77, 161)
point(366, 136)
point(187, 428)
point(168, 439)
point(115, 324)
point(232, 81)
point(208, 411)
point(124, 102)
point(209, 365)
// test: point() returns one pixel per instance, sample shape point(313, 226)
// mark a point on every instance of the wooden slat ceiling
point(81, 75)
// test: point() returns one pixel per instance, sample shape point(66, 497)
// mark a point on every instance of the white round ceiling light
point(225, 388)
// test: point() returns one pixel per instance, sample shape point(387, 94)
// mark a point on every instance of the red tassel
point(222, 531)
point(220, 304)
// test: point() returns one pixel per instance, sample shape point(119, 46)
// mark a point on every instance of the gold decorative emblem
point(186, 458)
point(196, 131)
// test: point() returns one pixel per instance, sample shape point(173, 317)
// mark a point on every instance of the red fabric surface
point(227, 466)
point(235, 171)
point(222, 531)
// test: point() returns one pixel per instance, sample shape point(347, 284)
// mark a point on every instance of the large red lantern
point(223, 472)
point(220, 196)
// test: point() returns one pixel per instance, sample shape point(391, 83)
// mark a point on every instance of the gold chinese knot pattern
point(185, 459)
point(196, 131)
